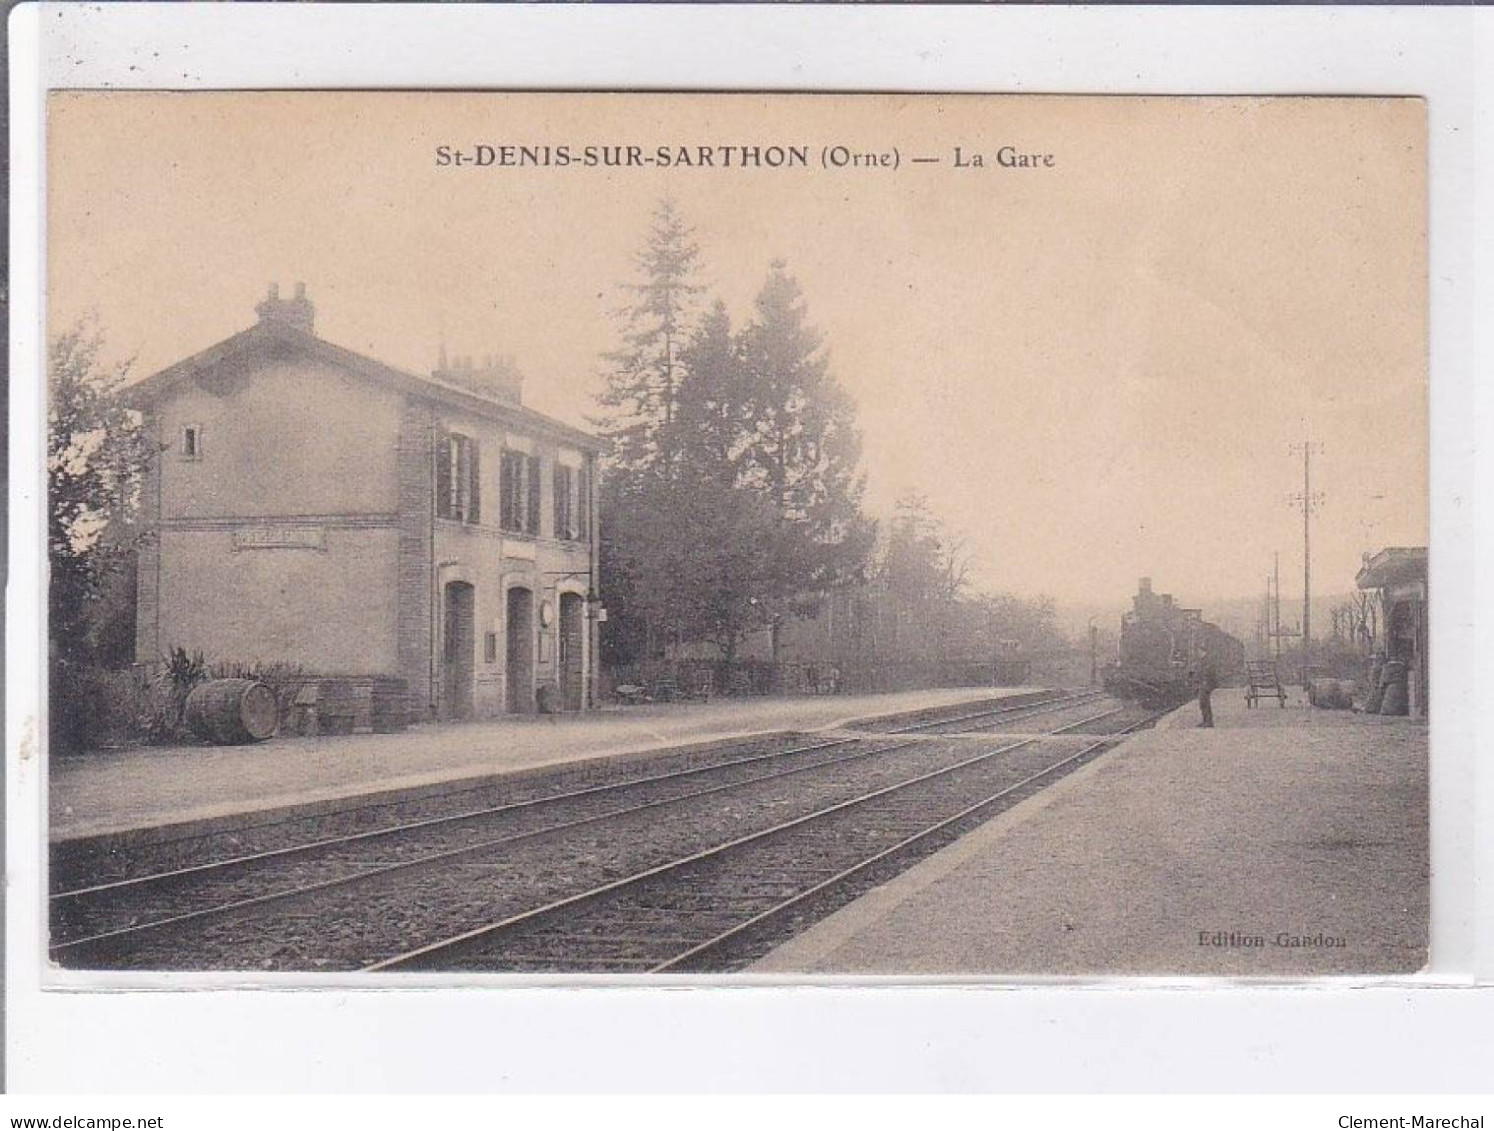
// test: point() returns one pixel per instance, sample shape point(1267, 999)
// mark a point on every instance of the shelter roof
point(1393, 566)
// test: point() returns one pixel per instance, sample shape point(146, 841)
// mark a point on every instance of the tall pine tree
point(804, 453)
point(638, 421)
point(643, 376)
point(726, 527)
point(732, 498)
point(715, 401)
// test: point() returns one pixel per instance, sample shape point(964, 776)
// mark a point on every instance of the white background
point(1437, 1035)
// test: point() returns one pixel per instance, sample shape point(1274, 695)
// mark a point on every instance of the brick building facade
point(316, 507)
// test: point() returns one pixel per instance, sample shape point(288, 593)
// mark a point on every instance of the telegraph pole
point(1308, 502)
point(1276, 610)
point(1263, 626)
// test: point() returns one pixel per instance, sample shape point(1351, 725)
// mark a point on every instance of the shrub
point(162, 717)
point(94, 707)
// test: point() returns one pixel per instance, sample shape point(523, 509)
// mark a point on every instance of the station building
point(315, 507)
point(1399, 574)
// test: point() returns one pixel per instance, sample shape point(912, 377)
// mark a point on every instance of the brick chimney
point(496, 379)
point(297, 312)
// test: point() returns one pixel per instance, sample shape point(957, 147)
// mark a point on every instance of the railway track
point(989, 719)
point(77, 867)
point(103, 924)
point(719, 907)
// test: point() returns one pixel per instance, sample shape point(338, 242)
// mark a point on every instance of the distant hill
point(1236, 615)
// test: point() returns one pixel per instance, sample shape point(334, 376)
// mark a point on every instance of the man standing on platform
point(1208, 679)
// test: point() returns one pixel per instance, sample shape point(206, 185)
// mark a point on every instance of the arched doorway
point(572, 651)
point(519, 656)
point(457, 635)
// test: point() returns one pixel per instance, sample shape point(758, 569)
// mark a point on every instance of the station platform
point(1283, 843)
point(117, 792)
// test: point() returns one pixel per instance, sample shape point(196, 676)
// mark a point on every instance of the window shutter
point(461, 469)
point(474, 491)
point(443, 475)
point(583, 504)
point(534, 495)
point(562, 493)
point(506, 490)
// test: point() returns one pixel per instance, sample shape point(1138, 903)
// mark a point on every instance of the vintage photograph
point(794, 536)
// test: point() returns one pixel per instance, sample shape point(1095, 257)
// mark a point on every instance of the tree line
point(732, 494)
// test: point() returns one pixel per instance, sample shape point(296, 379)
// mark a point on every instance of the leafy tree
point(922, 561)
point(924, 571)
point(1031, 622)
point(97, 453)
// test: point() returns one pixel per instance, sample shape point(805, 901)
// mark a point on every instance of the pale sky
point(1094, 370)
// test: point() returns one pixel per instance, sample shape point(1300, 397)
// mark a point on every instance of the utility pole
point(1308, 502)
point(1276, 610)
point(1263, 626)
point(1273, 610)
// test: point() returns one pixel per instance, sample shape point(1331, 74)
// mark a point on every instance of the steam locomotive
point(1160, 646)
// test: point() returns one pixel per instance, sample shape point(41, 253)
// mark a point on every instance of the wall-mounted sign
point(280, 538)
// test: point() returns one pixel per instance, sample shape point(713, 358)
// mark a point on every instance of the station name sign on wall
point(280, 538)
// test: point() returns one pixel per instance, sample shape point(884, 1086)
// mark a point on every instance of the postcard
point(717, 536)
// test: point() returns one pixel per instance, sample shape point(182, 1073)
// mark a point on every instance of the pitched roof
point(270, 335)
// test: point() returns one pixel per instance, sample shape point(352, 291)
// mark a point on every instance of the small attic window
point(192, 441)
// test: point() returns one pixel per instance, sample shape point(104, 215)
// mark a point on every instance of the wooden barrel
point(232, 711)
point(547, 695)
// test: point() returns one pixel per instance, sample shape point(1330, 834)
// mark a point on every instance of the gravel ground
point(644, 924)
point(1282, 843)
point(351, 926)
point(323, 858)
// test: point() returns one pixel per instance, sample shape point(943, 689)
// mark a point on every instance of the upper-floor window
point(458, 478)
point(192, 441)
point(519, 487)
point(572, 504)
